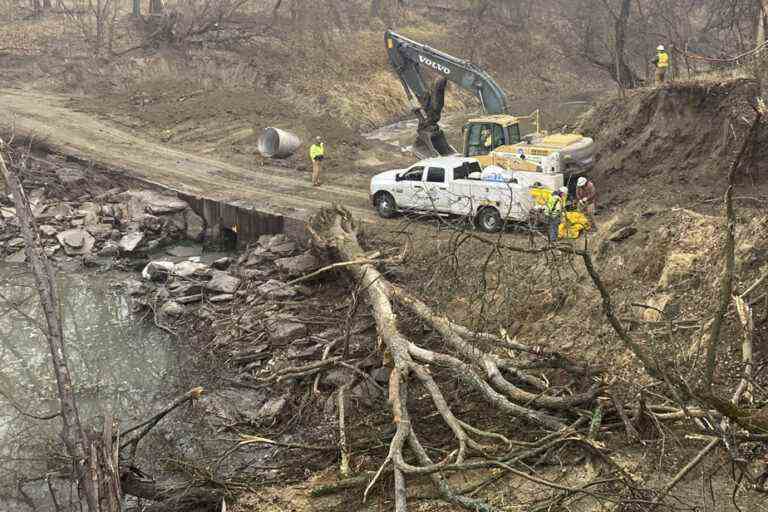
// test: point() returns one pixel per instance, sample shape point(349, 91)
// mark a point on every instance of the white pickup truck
point(455, 186)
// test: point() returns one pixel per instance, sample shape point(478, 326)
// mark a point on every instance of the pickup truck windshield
point(462, 172)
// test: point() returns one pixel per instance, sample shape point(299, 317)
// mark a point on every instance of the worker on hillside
point(553, 211)
point(586, 199)
point(662, 64)
point(317, 154)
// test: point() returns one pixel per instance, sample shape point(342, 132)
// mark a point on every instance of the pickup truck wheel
point(489, 220)
point(385, 205)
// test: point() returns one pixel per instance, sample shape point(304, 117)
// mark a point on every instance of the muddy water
point(119, 363)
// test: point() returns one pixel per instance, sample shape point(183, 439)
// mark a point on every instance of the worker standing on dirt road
point(662, 64)
point(554, 212)
point(317, 154)
point(586, 199)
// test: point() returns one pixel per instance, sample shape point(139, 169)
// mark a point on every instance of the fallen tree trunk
point(94, 475)
point(409, 362)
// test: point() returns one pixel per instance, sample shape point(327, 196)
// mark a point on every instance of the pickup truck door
point(437, 197)
point(409, 188)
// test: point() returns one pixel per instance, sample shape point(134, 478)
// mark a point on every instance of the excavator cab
point(483, 135)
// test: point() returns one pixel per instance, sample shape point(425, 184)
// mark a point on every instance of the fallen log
point(335, 231)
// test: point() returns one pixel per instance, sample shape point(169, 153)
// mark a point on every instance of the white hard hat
point(564, 190)
point(318, 138)
point(660, 48)
point(581, 182)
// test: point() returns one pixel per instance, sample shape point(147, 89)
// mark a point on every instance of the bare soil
point(47, 117)
point(665, 146)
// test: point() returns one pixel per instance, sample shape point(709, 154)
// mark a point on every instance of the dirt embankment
point(665, 145)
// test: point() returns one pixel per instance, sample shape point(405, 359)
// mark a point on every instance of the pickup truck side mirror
point(398, 177)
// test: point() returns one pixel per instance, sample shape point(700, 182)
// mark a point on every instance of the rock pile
point(175, 289)
point(113, 224)
point(247, 317)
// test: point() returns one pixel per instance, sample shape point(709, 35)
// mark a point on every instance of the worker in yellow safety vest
point(553, 211)
point(662, 64)
point(486, 139)
point(317, 154)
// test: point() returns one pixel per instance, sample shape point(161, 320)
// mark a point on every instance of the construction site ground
point(49, 119)
point(662, 166)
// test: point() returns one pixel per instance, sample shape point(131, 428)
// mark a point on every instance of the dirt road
point(74, 133)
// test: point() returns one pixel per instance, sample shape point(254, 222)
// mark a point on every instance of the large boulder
point(141, 202)
point(91, 213)
point(285, 249)
point(110, 249)
point(195, 225)
point(256, 257)
point(16, 258)
point(15, 243)
point(76, 242)
point(171, 309)
point(274, 289)
point(100, 231)
point(298, 265)
point(55, 211)
point(130, 241)
point(157, 270)
point(284, 329)
point(191, 268)
point(184, 289)
point(222, 263)
point(221, 282)
point(7, 213)
point(47, 230)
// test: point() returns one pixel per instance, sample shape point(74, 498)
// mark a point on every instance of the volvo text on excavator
point(494, 139)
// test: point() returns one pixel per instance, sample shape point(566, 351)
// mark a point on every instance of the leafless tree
point(96, 20)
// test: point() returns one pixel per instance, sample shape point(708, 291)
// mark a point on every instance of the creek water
point(119, 362)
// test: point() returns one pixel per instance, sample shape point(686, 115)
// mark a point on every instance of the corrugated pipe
point(277, 143)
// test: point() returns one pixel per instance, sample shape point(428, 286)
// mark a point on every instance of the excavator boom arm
point(407, 57)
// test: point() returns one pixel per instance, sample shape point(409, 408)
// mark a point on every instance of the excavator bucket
point(430, 143)
point(430, 139)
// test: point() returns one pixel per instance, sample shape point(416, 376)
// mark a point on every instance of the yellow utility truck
point(504, 152)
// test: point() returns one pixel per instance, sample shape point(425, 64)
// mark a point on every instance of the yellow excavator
point(494, 139)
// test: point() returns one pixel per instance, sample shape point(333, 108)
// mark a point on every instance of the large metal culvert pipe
point(277, 143)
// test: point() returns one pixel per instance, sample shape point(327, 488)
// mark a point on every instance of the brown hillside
point(665, 145)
